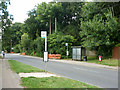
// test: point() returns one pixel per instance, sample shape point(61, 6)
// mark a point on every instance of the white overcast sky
point(19, 8)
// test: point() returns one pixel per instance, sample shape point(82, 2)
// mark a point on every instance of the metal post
point(67, 51)
point(45, 67)
point(11, 45)
point(0, 45)
point(46, 50)
point(45, 59)
point(46, 43)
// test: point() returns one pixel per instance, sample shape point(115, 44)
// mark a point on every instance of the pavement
point(8, 78)
point(0, 74)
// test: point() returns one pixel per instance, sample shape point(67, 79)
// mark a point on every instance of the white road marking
point(86, 70)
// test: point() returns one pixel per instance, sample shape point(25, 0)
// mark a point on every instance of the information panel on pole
point(43, 34)
point(66, 44)
point(67, 53)
point(0, 37)
point(45, 58)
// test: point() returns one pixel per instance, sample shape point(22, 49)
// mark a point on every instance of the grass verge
point(109, 62)
point(21, 67)
point(53, 82)
point(48, 82)
point(0, 57)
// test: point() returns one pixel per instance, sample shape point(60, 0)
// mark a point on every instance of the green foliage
point(39, 42)
point(16, 48)
point(99, 32)
point(32, 26)
point(90, 9)
point(46, 13)
point(93, 31)
point(16, 33)
point(25, 41)
point(117, 45)
point(56, 44)
point(6, 40)
point(5, 22)
point(92, 25)
point(32, 47)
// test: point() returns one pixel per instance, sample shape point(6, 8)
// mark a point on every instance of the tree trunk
point(55, 25)
point(50, 26)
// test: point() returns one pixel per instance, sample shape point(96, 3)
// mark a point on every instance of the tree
point(56, 44)
point(39, 46)
point(47, 13)
point(16, 33)
point(5, 21)
point(33, 26)
point(100, 31)
point(67, 15)
point(25, 42)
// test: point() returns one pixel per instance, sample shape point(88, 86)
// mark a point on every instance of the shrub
point(56, 44)
point(16, 48)
point(118, 45)
point(39, 43)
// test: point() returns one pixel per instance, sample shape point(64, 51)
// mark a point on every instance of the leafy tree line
point(100, 27)
point(92, 25)
point(5, 23)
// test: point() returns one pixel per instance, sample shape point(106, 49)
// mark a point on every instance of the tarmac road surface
point(101, 77)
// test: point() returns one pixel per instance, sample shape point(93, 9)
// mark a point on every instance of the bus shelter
point(78, 52)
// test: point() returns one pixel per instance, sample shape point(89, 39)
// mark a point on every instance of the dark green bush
point(16, 48)
point(56, 44)
point(118, 45)
point(39, 43)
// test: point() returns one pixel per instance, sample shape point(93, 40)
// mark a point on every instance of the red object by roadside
point(11, 52)
point(23, 53)
point(100, 58)
point(33, 53)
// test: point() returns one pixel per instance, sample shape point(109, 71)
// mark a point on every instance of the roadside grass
point(21, 67)
point(53, 82)
point(109, 62)
point(47, 82)
point(67, 59)
point(0, 57)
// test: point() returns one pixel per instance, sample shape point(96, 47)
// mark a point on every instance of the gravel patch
point(37, 74)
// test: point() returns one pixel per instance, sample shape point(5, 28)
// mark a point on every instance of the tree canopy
point(93, 25)
point(100, 28)
point(5, 21)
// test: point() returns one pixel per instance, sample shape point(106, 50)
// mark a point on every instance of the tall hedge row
point(55, 45)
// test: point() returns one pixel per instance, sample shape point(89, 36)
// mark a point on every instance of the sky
point(19, 8)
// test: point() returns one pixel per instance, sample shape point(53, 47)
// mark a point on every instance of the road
point(101, 77)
